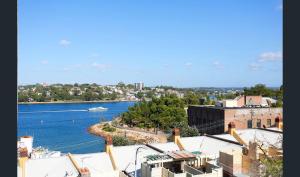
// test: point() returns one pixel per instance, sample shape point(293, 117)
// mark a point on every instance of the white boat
point(98, 109)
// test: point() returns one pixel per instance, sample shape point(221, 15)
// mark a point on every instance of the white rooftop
point(170, 146)
point(50, 167)
point(206, 145)
point(267, 137)
point(125, 156)
point(99, 164)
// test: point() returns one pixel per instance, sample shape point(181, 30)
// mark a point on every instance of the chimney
point(108, 143)
point(23, 152)
point(175, 134)
point(27, 141)
point(108, 150)
point(85, 172)
point(231, 127)
point(23, 158)
point(278, 122)
point(176, 138)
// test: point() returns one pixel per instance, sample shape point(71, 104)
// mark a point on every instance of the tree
point(150, 94)
point(22, 97)
point(130, 86)
point(139, 95)
point(259, 89)
point(88, 96)
point(270, 166)
point(121, 85)
point(113, 96)
point(161, 112)
point(191, 98)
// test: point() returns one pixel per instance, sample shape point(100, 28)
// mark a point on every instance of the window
point(269, 122)
point(258, 123)
point(249, 122)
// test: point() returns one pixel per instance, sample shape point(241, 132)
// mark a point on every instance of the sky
point(192, 43)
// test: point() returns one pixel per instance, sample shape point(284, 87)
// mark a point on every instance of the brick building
point(214, 120)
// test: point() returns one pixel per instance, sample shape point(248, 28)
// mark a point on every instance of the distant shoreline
point(60, 102)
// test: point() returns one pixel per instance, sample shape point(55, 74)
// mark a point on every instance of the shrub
point(108, 128)
point(121, 141)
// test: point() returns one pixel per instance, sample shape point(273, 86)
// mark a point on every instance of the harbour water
point(63, 127)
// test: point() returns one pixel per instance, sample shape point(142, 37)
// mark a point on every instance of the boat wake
point(32, 112)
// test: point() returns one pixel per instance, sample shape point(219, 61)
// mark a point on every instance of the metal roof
point(181, 155)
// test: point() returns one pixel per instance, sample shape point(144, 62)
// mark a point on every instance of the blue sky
point(193, 43)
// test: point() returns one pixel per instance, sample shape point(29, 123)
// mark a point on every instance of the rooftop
point(99, 164)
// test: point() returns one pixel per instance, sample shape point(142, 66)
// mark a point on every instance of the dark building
point(215, 120)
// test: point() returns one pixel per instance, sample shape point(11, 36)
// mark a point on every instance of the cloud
point(255, 66)
point(64, 42)
point(218, 65)
point(270, 56)
point(100, 67)
point(44, 62)
point(188, 64)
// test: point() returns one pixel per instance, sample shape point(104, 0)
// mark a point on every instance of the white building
point(139, 86)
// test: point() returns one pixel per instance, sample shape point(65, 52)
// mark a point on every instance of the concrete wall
point(230, 103)
point(253, 100)
point(240, 101)
point(231, 162)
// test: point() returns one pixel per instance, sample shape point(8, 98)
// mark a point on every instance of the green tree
point(88, 96)
point(139, 95)
point(259, 89)
point(22, 97)
point(150, 94)
point(191, 98)
point(159, 112)
point(121, 85)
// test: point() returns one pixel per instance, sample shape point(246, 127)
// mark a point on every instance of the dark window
point(269, 122)
point(249, 122)
point(258, 123)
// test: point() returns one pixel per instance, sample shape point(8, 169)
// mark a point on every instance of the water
point(63, 127)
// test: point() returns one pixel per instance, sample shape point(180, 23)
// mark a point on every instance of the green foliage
point(191, 98)
point(121, 84)
point(108, 128)
point(273, 167)
point(121, 141)
point(161, 112)
point(113, 96)
point(22, 97)
point(189, 131)
point(259, 89)
point(185, 130)
point(150, 94)
point(139, 95)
